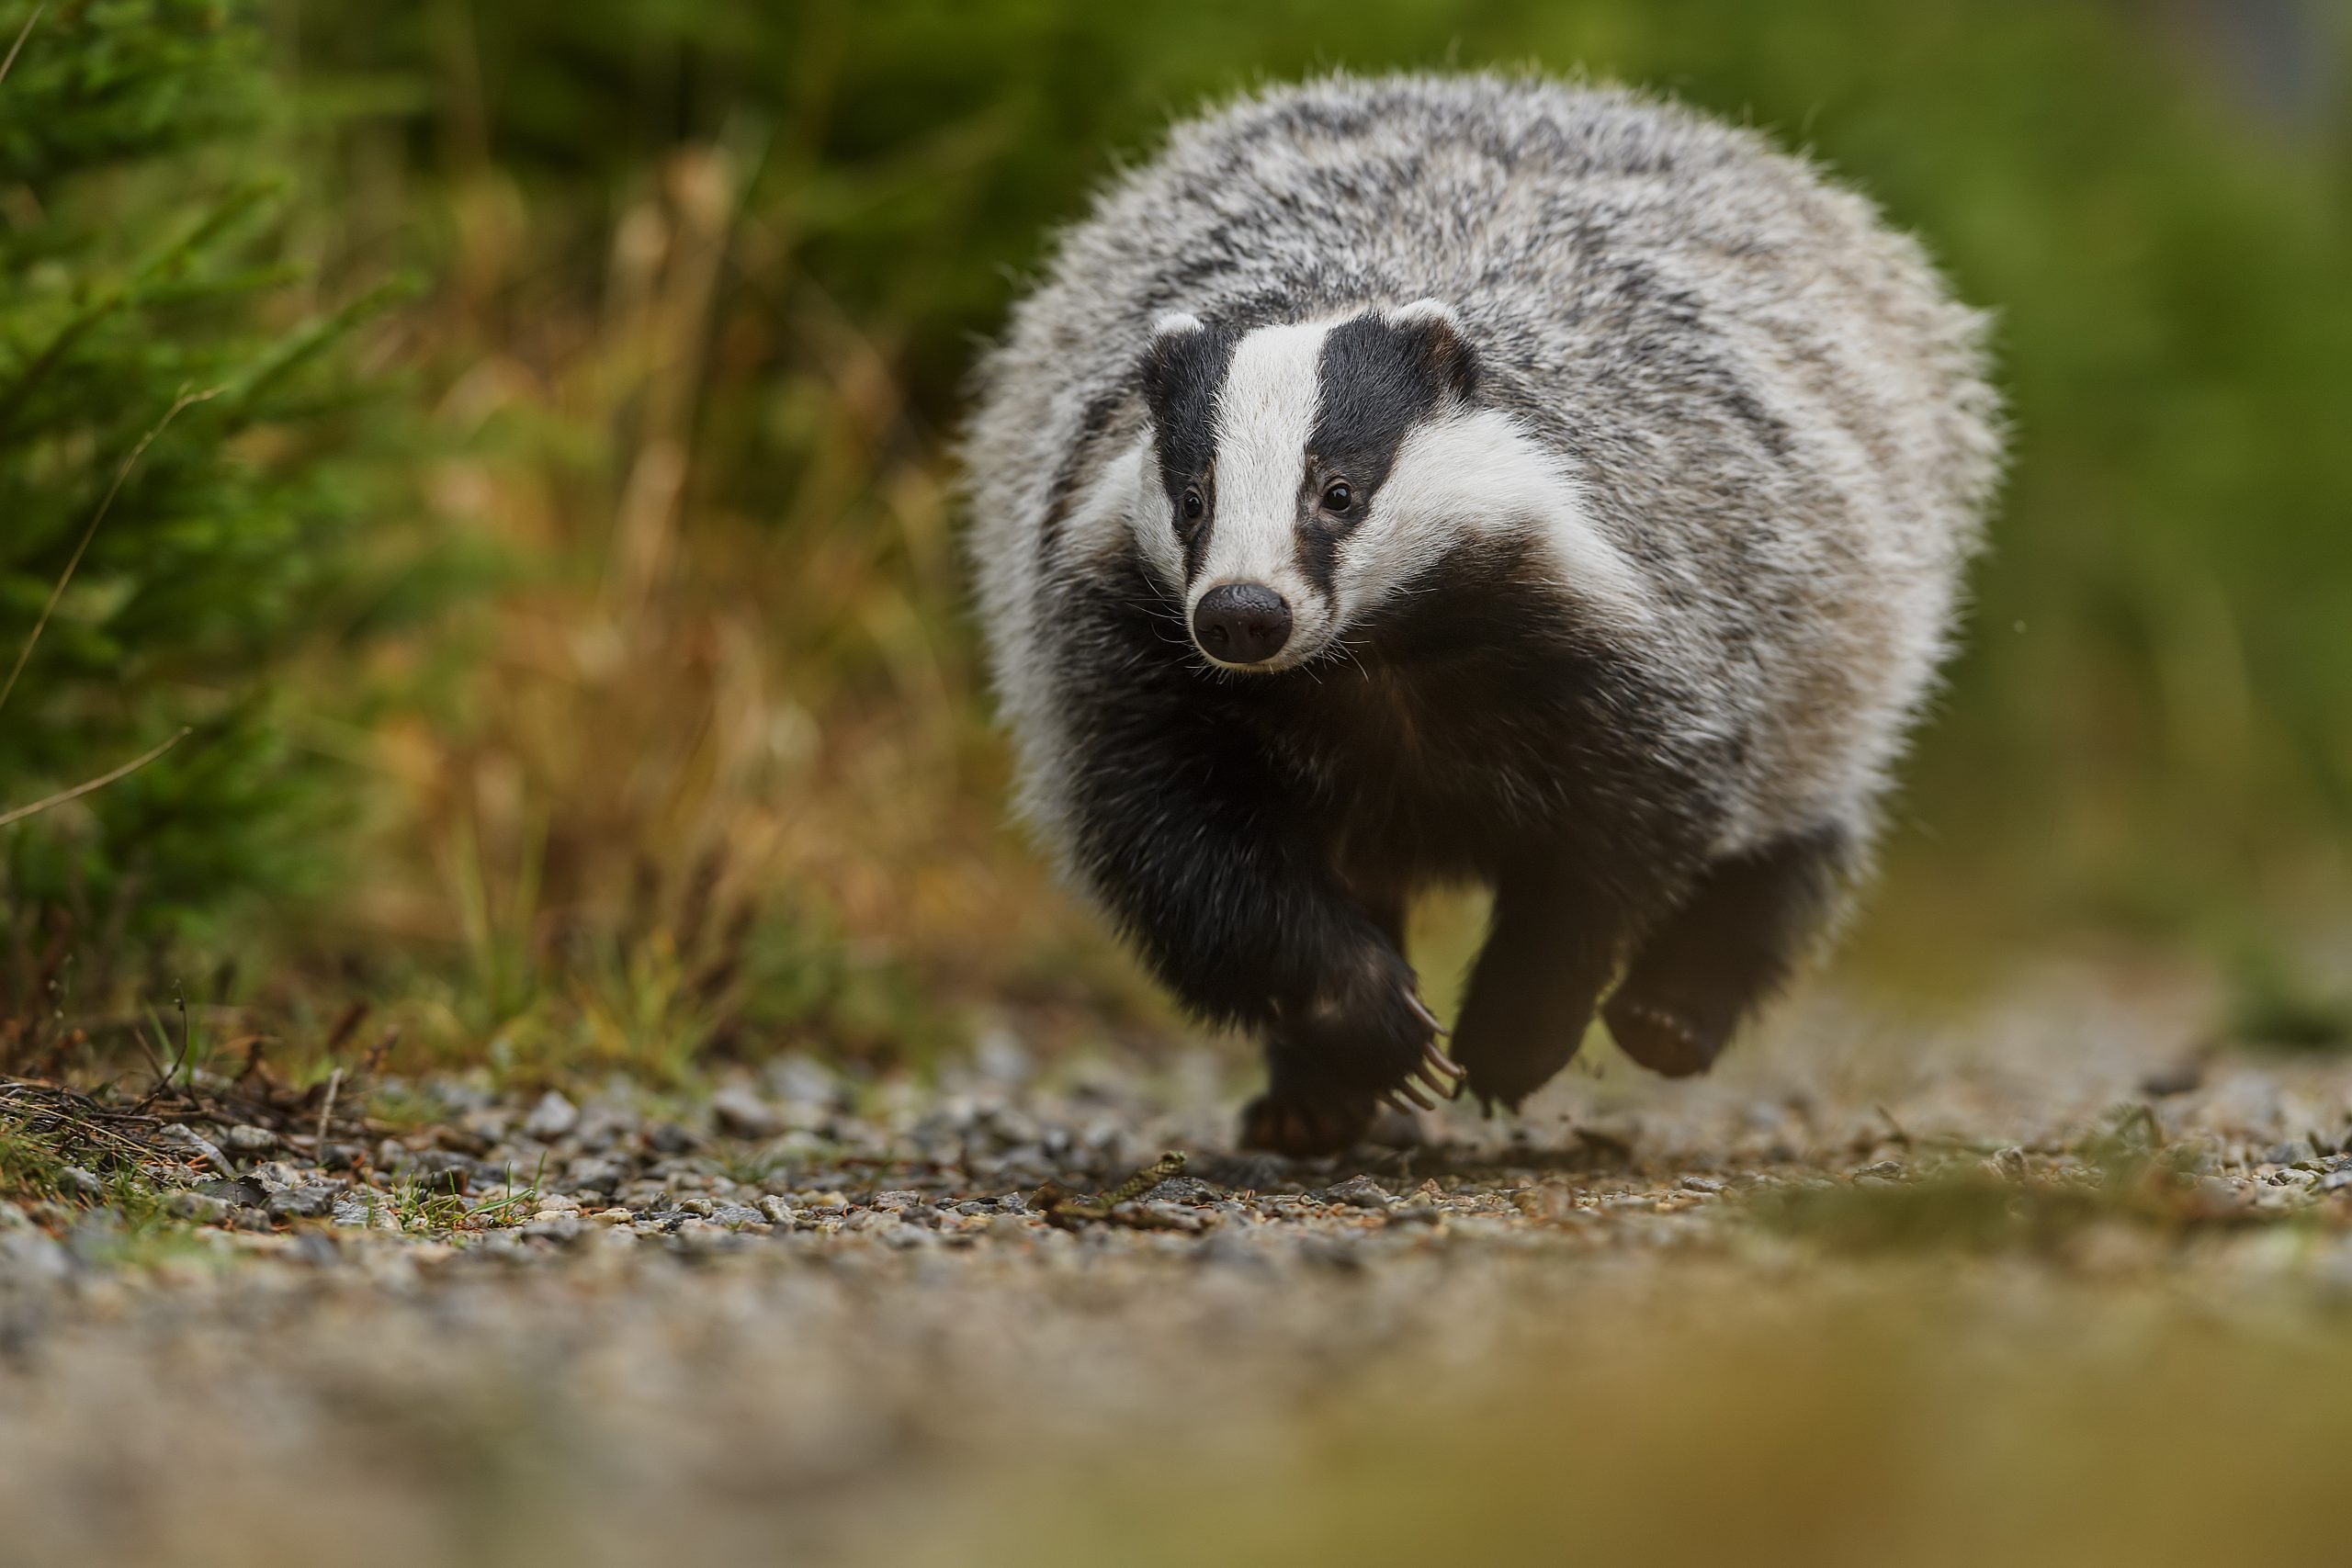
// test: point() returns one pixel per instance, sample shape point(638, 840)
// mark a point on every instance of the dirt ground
point(2061, 1283)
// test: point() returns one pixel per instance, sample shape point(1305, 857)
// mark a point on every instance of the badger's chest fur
point(1429, 479)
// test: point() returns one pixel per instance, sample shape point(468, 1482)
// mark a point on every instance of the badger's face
point(1296, 476)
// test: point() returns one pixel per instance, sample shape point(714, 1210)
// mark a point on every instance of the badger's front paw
point(1365, 1033)
point(1304, 1129)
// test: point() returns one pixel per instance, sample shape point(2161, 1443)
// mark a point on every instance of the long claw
point(1410, 1091)
point(1413, 1000)
point(1443, 1065)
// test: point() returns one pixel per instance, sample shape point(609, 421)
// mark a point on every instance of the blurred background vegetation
point(559, 578)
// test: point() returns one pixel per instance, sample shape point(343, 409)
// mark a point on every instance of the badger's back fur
point(1722, 459)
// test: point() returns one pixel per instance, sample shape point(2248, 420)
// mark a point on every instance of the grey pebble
point(183, 1140)
point(1183, 1189)
point(204, 1209)
point(741, 1113)
point(551, 1118)
point(1358, 1192)
point(237, 1194)
point(313, 1202)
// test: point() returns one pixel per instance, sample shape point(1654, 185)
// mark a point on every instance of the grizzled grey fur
point(1436, 478)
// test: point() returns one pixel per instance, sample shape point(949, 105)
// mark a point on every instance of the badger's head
point(1295, 477)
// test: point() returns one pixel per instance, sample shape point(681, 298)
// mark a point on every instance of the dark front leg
point(1732, 943)
point(1229, 893)
point(1308, 1109)
point(1550, 945)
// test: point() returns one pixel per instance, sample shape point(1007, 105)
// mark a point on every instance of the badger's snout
point(1241, 623)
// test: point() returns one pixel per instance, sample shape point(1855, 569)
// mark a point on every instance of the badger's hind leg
point(1731, 943)
point(1551, 943)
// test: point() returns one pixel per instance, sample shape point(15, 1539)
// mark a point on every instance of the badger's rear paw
point(1668, 1040)
point(1304, 1129)
point(1506, 1077)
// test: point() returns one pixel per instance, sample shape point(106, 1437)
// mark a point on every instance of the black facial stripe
point(1181, 373)
point(1376, 381)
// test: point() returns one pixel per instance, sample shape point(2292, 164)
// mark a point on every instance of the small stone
point(778, 1212)
point(555, 1228)
point(1000, 1058)
point(274, 1176)
point(797, 1077)
point(2178, 1078)
point(185, 1141)
point(894, 1203)
point(1707, 1184)
point(28, 1254)
point(1182, 1190)
point(612, 1216)
point(2335, 1180)
point(441, 1171)
point(236, 1194)
point(247, 1140)
point(742, 1115)
point(551, 1118)
point(76, 1180)
point(734, 1216)
point(95, 1235)
point(316, 1249)
point(361, 1209)
point(199, 1207)
point(1882, 1171)
point(1358, 1192)
point(315, 1200)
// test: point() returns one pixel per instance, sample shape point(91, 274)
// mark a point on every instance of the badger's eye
point(1193, 505)
point(1337, 497)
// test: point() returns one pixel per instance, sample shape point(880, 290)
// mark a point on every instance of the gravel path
point(1002, 1320)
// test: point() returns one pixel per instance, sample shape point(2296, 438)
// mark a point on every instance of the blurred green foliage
point(751, 249)
point(2147, 727)
point(153, 336)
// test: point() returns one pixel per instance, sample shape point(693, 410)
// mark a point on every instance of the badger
point(1471, 480)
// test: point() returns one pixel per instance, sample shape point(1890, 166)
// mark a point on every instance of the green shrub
point(146, 312)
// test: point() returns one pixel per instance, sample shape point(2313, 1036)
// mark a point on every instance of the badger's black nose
point(1241, 623)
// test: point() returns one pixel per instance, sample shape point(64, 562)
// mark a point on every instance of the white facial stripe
point(1266, 412)
point(1111, 503)
point(1474, 474)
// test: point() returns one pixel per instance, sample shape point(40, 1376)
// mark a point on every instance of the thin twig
point(179, 998)
point(22, 34)
point(92, 786)
point(334, 1082)
point(121, 474)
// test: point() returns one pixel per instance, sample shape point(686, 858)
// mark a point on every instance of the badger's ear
point(1436, 335)
point(1171, 323)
